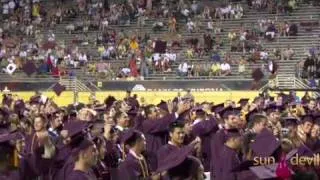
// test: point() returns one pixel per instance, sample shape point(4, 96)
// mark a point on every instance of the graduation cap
point(130, 137)
point(109, 101)
point(229, 111)
point(12, 136)
point(250, 115)
point(29, 68)
point(163, 106)
point(267, 172)
point(272, 108)
point(259, 147)
point(174, 158)
point(58, 88)
point(217, 108)
point(289, 121)
point(257, 74)
point(75, 128)
point(19, 106)
point(243, 102)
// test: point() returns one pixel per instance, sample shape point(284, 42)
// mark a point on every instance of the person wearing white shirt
point(183, 69)
point(12, 5)
point(210, 25)
point(225, 69)
point(23, 54)
point(83, 58)
point(190, 26)
point(5, 9)
point(264, 55)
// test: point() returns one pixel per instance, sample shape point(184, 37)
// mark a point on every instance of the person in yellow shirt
point(216, 69)
point(134, 44)
point(36, 10)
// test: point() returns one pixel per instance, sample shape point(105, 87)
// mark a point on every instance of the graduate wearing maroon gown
point(33, 162)
point(135, 166)
point(86, 158)
point(229, 156)
point(155, 131)
point(231, 117)
point(205, 129)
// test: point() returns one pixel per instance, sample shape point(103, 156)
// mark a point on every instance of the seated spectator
point(83, 59)
point(238, 12)
point(264, 55)
point(190, 69)
point(210, 25)
point(242, 66)
point(183, 69)
point(134, 45)
point(271, 31)
point(288, 53)
point(293, 30)
point(216, 57)
point(189, 53)
point(191, 26)
point(232, 35)
point(225, 69)
point(157, 26)
point(218, 27)
point(215, 69)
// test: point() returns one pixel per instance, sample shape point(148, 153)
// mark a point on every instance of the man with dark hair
point(155, 129)
point(135, 165)
point(257, 123)
point(121, 120)
point(231, 121)
point(39, 147)
point(86, 157)
point(175, 144)
point(229, 156)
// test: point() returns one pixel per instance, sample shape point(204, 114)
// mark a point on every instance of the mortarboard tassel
point(15, 158)
point(144, 168)
point(123, 152)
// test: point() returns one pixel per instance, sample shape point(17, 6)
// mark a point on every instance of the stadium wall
point(153, 97)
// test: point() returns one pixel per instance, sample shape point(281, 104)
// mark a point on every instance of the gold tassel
point(144, 168)
point(15, 158)
point(123, 152)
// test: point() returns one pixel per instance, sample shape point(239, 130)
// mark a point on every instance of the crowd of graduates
point(127, 139)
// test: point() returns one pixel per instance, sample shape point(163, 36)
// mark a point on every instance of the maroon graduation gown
point(205, 130)
point(62, 154)
point(32, 164)
point(246, 175)
point(131, 169)
point(228, 161)
point(217, 142)
point(79, 175)
point(165, 150)
point(67, 169)
point(10, 175)
point(156, 132)
point(111, 159)
point(101, 171)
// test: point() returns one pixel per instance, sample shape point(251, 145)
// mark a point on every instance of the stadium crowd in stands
point(23, 38)
point(177, 139)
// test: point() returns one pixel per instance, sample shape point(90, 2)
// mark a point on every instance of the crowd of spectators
point(102, 55)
